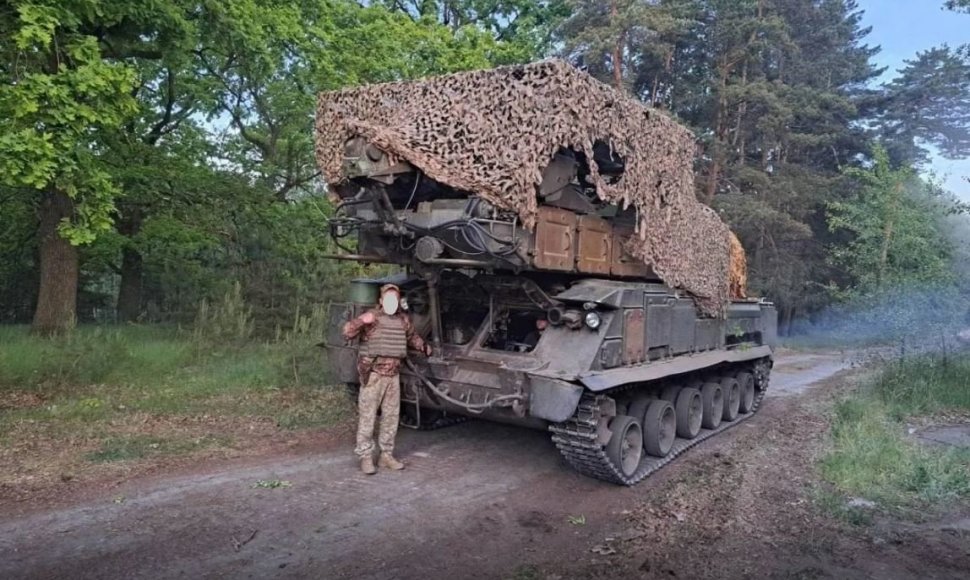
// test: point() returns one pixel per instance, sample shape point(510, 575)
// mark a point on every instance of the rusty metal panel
point(622, 263)
point(555, 231)
point(595, 245)
point(633, 336)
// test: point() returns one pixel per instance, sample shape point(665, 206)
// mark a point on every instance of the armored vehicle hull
point(625, 375)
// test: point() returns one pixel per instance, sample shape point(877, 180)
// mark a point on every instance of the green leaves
point(929, 103)
point(893, 224)
point(61, 96)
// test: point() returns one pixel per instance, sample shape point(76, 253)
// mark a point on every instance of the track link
point(576, 438)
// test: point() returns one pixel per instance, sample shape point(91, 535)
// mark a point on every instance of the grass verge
point(872, 456)
point(106, 396)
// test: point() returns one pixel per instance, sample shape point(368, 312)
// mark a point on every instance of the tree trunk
point(130, 291)
point(717, 147)
point(887, 234)
point(57, 297)
point(787, 315)
point(617, 56)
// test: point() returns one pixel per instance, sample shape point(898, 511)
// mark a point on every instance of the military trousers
point(384, 393)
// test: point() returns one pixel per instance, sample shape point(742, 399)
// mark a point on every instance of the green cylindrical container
point(364, 292)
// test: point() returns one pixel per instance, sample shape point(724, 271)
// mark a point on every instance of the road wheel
point(659, 428)
point(712, 405)
point(622, 407)
point(690, 412)
point(638, 408)
point(670, 393)
point(732, 398)
point(746, 381)
point(625, 445)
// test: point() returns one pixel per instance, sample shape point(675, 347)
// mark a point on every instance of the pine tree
point(928, 104)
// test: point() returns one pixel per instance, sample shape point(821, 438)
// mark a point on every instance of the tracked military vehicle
point(552, 251)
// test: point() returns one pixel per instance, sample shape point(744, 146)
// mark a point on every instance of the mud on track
point(486, 500)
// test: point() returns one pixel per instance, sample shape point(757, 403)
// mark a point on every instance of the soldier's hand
point(367, 318)
point(427, 350)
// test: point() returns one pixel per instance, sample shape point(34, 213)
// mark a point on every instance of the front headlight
point(592, 320)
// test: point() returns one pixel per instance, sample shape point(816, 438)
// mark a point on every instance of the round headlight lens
point(592, 320)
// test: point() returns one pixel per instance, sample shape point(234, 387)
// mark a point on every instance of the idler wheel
point(626, 444)
point(712, 404)
point(690, 413)
point(746, 381)
point(659, 428)
point(732, 398)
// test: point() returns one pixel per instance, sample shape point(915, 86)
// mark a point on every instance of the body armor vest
point(389, 338)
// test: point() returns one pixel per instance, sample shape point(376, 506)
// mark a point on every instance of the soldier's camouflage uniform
point(379, 378)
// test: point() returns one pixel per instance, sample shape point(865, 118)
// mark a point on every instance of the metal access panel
point(633, 336)
point(622, 263)
point(682, 318)
point(659, 317)
point(595, 245)
point(555, 231)
point(611, 354)
point(708, 333)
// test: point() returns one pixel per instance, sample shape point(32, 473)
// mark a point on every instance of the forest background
point(156, 157)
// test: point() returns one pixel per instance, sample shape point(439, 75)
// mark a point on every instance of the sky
point(904, 27)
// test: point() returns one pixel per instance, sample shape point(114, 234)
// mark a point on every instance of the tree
point(772, 90)
point(611, 38)
point(524, 27)
point(928, 104)
point(64, 86)
point(892, 219)
point(958, 5)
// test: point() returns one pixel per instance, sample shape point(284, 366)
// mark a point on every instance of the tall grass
point(872, 454)
point(91, 355)
point(107, 394)
point(99, 372)
point(923, 385)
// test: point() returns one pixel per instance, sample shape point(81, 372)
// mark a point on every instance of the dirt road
point(484, 500)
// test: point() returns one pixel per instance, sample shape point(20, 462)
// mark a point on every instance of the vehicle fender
point(552, 399)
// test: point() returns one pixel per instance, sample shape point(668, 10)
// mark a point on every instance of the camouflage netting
point(493, 132)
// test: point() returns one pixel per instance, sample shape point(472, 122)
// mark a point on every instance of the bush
point(871, 454)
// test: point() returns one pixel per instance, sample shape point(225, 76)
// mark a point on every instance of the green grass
point(925, 385)
point(871, 454)
point(142, 446)
point(99, 377)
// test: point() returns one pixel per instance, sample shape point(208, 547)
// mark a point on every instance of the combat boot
point(387, 460)
point(367, 465)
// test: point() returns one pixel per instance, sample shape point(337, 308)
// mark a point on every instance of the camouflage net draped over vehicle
point(493, 133)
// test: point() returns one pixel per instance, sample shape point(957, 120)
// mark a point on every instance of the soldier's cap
point(390, 287)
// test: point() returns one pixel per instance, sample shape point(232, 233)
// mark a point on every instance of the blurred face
point(390, 302)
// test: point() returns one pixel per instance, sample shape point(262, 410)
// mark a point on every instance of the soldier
point(385, 334)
